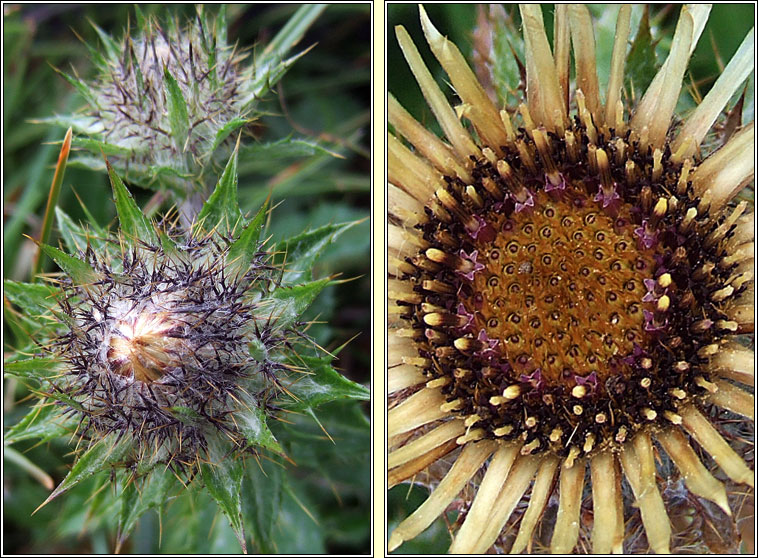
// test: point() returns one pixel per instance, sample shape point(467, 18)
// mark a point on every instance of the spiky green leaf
point(641, 63)
point(178, 115)
point(222, 210)
point(290, 302)
point(36, 299)
point(320, 384)
point(111, 46)
point(262, 486)
point(77, 237)
point(185, 415)
point(131, 219)
point(43, 421)
point(297, 530)
point(242, 251)
point(135, 502)
point(97, 146)
point(32, 368)
point(80, 271)
point(251, 421)
point(97, 458)
point(225, 131)
point(223, 479)
point(301, 251)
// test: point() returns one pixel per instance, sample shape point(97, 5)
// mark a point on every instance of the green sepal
point(185, 415)
point(271, 65)
point(508, 50)
point(178, 115)
point(80, 271)
point(263, 487)
point(97, 146)
point(131, 219)
point(258, 156)
point(290, 302)
point(111, 47)
point(135, 502)
point(97, 458)
point(81, 87)
point(43, 421)
point(223, 479)
point(32, 368)
point(243, 250)
point(79, 124)
point(221, 211)
point(303, 250)
point(321, 384)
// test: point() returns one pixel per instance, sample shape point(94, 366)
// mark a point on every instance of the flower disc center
point(560, 290)
point(144, 347)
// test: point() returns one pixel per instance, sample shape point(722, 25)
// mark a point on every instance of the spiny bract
point(566, 284)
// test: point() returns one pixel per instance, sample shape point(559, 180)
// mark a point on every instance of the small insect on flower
point(568, 279)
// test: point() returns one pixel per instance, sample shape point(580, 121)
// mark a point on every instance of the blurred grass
point(324, 98)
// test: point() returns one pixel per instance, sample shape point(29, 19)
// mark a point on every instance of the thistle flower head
point(566, 282)
point(168, 96)
point(167, 351)
point(157, 348)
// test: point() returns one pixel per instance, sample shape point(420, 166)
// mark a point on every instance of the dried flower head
point(566, 283)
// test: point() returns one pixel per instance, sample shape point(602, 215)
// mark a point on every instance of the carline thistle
point(568, 281)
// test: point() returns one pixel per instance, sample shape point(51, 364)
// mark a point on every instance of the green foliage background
point(324, 100)
point(726, 28)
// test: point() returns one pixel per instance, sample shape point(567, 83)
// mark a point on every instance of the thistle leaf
point(178, 115)
point(243, 250)
point(225, 131)
point(297, 530)
point(291, 302)
point(321, 385)
point(131, 219)
point(134, 503)
point(303, 250)
point(223, 479)
point(111, 47)
point(95, 459)
point(222, 210)
point(43, 421)
point(641, 63)
point(35, 299)
point(262, 486)
point(78, 270)
point(251, 421)
point(97, 146)
point(76, 237)
point(32, 368)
